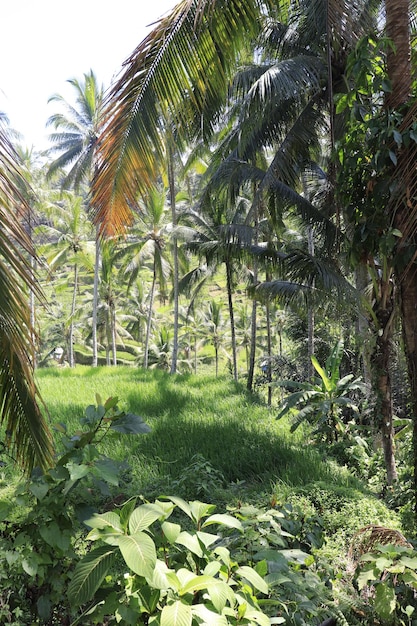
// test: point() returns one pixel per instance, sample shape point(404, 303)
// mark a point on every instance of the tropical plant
point(41, 524)
point(68, 243)
point(76, 142)
point(388, 576)
point(217, 235)
point(26, 432)
point(320, 402)
point(147, 243)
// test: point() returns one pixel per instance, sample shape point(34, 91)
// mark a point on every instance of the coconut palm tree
point(75, 141)
point(68, 244)
point(147, 244)
point(27, 434)
point(218, 236)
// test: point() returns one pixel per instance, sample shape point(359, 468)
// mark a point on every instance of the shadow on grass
point(190, 415)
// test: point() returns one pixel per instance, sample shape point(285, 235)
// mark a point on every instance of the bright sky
point(44, 43)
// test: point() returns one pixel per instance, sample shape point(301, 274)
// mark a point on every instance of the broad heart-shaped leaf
point(88, 575)
point(130, 424)
point(223, 519)
point(139, 552)
point(94, 414)
point(39, 489)
point(409, 561)
point(52, 534)
point(176, 614)
point(365, 577)
point(253, 578)
point(385, 601)
point(108, 470)
point(142, 517)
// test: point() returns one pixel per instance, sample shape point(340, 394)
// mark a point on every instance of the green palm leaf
point(27, 433)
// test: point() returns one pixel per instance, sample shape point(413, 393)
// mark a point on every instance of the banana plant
point(320, 402)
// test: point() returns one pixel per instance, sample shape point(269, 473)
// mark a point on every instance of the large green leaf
point(208, 617)
point(223, 519)
point(139, 552)
point(142, 517)
point(177, 614)
point(89, 574)
point(196, 583)
point(109, 520)
point(220, 594)
point(385, 601)
point(253, 578)
point(171, 531)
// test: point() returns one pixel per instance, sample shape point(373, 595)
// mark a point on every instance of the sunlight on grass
point(214, 417)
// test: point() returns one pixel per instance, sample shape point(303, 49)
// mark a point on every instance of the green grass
point(189, 415)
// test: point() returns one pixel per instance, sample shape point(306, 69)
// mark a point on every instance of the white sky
point(44, 43)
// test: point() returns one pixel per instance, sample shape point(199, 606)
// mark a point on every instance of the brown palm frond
point(179, 72)
point(27, 434)
point(370, 536)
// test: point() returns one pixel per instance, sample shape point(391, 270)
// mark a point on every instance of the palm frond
point(182, 68)
point(27, 433)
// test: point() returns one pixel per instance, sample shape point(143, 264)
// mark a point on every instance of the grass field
point(234, 435)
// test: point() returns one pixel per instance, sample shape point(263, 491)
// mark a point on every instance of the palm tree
point(76, 143)
point(214, 326)
point(218, 236)
point(68, 245)
point(27, 433)
point(147, 242)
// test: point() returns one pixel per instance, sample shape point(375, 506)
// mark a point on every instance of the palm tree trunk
point(71, 328)
point(310, 314)
point(149, 321)
point(171, 181)
point(382, 380)
point(229, 286)
point(362, 325)
point(95, 300)
point(408, 297)
point(269, 350)
point(113, 334)
point(399, 71)
point(252, 355)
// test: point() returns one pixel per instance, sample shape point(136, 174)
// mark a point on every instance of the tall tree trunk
point(381, 359)
point(399, 56)
point(310, 313)
point(113, 334)
point(149, 321)
point(362, 325)
point(95, 300)
point(229, 282)
point(71, 328)
point(171, 182)
point(269, 350)
point(399, 71)
point(252, 354)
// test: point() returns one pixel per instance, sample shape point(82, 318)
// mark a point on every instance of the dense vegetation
point(230, 229)
point(285, 512)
